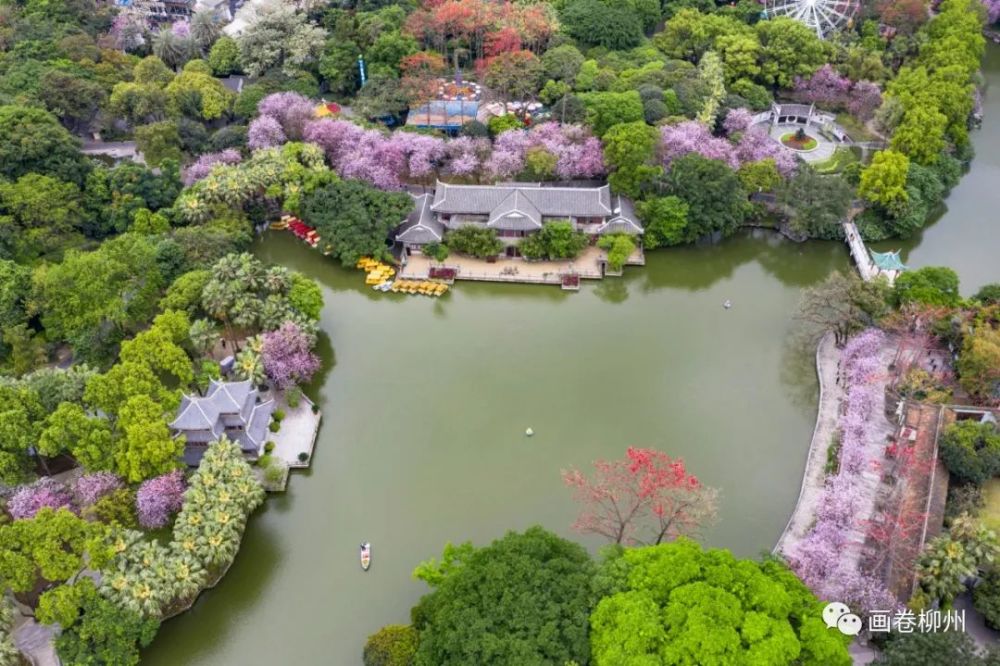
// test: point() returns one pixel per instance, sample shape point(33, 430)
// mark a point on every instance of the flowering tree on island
point(159, 498)
point(43, 493)
point(92, 487)
point(287, 355)
point(645, 497)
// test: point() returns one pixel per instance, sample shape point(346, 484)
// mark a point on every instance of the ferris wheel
point(823, 16)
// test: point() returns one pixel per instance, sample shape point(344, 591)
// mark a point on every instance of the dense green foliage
point(971, 451)
point(392, 645)
point(355, 218)
point(481, 242)
point(555, 240)
point(676, 603)
point(524, 599)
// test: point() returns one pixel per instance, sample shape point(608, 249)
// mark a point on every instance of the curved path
point(814, 477)
point(824, 147)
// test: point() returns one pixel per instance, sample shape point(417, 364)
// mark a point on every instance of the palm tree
point(217, 299)
point(204, 30)
point(204, 336)
point(171, 49)
point(249, 366)
point(277, 280)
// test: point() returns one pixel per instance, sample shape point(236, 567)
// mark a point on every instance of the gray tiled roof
point(421, 225)
point(623, 220)
point(549, 201)
point(228, 408)
point(516, 212)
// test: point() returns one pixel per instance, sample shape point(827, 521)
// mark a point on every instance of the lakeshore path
point(814, 477)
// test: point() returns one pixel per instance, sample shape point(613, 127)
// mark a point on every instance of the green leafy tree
point(146, 447)
point(392, 645)
point(760, 176)
point(971, 451)
point(198, 94)
point(595, 23)
point(224, 58)
point(88, 439)
point(789, 49)
point(619, 247)
point(607, 109)
point(279, 38)
point(105, 634)
point(44, 215)
point(931, 285)
point(48, 549)
point(628, 152)
point(480, 242)
point(676, 603)
point(355, 218)
point(931, 648)
point(555, 240)
point(665, 221)
point(979, 362)
point(159, 141)
point(523, 599)
point(93, 299)
point(33, 141)
point(306, 296)
point(883, 182)
point(817, 204)
point(715, 197)
point(15, 288)
point(20, 418)
point(842, 303)
point(185, 292)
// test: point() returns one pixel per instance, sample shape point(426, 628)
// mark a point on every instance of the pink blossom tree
point(466, 156)
point(287, 356)
point(737, 121)
point(291, 110)
point(46, 492)
point(819, 558)
point(92, 487)
point(756, 144)
point(825, 87)
point(865, 98)
point(692, 137)
point(205, 163)
point(265, 132)
point(159, 498)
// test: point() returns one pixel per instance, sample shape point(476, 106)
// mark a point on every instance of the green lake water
point(425, 405)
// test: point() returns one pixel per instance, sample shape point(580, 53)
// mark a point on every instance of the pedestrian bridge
point(871, 264)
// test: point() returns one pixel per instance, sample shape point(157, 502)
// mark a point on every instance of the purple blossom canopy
point(181, 29)
point(159, 498)
point(822, 558)
point(287, 356)
point(291, 110)
point(756, 144)
point(737, 120)
point(265, 132)
point(205, 163)
point(692, 137)
point(92, 487)
point(46, 492)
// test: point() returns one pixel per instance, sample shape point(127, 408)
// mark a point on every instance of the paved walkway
point(297, 433)
point(814, 477)
point(824, 149)
point(35, 641)
point(509, 270)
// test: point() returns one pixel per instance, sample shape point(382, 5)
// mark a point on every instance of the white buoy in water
point(728, 304)
point(529, 432)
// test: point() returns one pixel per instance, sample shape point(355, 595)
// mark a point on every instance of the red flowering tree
point(646, 497)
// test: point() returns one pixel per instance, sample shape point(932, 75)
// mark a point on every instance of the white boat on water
point(366, 555)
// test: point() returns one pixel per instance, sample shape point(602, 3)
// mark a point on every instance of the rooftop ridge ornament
point(821, 16)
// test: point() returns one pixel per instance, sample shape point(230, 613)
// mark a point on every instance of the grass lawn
point(990, 513)
point(837, 162)
point(855, 127)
